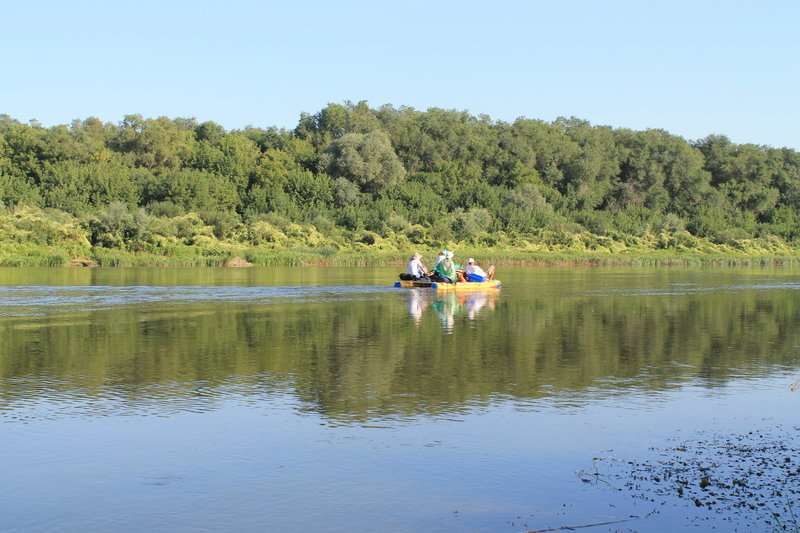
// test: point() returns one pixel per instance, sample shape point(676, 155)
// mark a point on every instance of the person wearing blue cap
point(445, 270)
point(435, 270)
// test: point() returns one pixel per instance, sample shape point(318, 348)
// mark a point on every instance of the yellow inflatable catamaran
point(463, 286)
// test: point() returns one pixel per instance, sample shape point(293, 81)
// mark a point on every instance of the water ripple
point(42, 300)
point(678, 289)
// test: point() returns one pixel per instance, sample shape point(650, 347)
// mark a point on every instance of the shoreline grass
point(53, 256)
point(34, 237)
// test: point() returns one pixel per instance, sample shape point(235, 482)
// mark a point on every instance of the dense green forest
point(353, 181)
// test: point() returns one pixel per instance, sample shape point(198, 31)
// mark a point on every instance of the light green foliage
point(468, 225)
point(225, 224)
point(524, 209)
point(116, 226)
point(669, 223)
point(156, 143)
point(335, 121)
point(325, 225)
point(345, 193)
point(527, 197)
point(31, 236)
point(262, 232)
point(397, 223)
point(190, 227)
point(165, 209)
point(477, 195)
point(365, 159)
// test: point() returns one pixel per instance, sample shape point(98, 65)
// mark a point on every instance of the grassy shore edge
point(198, 257)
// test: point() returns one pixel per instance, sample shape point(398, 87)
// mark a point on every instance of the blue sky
point(692, 68)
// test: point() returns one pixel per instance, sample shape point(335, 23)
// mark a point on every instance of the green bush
point(223, 223)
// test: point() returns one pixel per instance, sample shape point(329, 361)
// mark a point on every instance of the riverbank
point(34, 237)
point(237, 255)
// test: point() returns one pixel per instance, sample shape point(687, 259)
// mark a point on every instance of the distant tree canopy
point(366, 159)
point(446, 171)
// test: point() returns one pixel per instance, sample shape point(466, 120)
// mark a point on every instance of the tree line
point(442, 174)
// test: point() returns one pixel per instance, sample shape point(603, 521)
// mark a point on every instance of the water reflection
point(449, 305)
point(370, 352)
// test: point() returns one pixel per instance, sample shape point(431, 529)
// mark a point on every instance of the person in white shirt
point(415, 266)
point(476, 273)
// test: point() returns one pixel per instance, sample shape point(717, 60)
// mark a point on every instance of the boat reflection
point(447, 306)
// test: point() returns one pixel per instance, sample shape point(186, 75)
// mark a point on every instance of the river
point(324, 399)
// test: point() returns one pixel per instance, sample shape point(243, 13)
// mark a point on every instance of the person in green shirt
point(446, 270)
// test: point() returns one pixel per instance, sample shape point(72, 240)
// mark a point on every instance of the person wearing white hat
point(415, 267)
point(446, 269)
point(476, 273)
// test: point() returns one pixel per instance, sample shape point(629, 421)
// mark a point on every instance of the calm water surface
point(326, 400)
